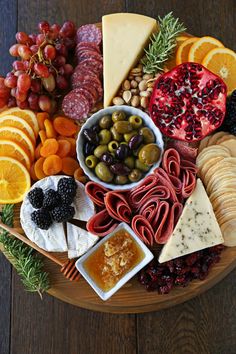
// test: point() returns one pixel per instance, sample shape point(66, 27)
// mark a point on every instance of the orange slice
point(20, 123)
point(183, 50)
point(19, 137)
point(171, 63)
point(26, 114)
point(201, 47)
point(14, 181)
point(222, 62)
point(9, 148)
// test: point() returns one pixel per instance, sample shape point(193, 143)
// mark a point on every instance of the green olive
point(115, 135)
point(136, 152)
point(135, 175)
point(105, 122)
point(118, 115)
point(141, 166)
point(104, 136)
point(121, 179)
point(128, 136)
point(148, 135)
point(100, 150)
point(136, 121)
point(91, 161)
point(123, 127)
point(113, 145)
point(103, 172)
point(130, 162)
point(149, 154)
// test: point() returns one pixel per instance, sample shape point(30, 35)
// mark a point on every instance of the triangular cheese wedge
point(125, 36)
point(79, 240)
point(197, 227)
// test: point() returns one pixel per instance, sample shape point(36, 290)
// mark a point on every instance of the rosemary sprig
point(27, 264)
point(162, 44)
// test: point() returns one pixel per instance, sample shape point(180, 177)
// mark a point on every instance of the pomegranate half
point(188, 102)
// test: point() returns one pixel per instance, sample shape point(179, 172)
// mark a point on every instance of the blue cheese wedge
point(79, 240)
point(197, 227)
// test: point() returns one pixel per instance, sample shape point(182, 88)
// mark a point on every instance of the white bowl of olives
point(118, 146)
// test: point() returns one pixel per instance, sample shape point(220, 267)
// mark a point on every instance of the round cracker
point(229, 233)
point(215, 137)
point(203, 143)
point(231, 145)
point(225, 137)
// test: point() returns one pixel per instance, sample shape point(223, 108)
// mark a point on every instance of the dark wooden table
point(206, 324)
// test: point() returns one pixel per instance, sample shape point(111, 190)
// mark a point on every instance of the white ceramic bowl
point(105, 295)
point(93, 120)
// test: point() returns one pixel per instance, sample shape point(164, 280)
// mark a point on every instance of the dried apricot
point(42, 135)
point(72, 141)
point(52, 165)
point(78, 173)
point(50, 147)
point(41, 117)
point(32, 173)
point(65, 126)
point(82, 179)
point(38, 168)
point(50, 132)
point(64, 148)
point(69, 165)
point(37, 151)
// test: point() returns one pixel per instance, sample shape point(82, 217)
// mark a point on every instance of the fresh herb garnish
point(162, 44)
point(28, 264)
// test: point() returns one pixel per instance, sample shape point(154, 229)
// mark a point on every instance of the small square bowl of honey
point(114, 261)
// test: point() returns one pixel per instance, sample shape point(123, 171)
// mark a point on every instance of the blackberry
point(51, 199)
point(67, 189)
point(63, 213)
point(42, 218)
point(36, 197)
point(229, 123)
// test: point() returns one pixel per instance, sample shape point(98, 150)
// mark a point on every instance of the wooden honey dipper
point(68, 267)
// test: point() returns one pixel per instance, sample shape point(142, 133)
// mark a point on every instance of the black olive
point(135, 142)
point(120, 169)
point(107, 158)
point(88, 148)
point(122, 152)
point(96, 128)
point(91, 136)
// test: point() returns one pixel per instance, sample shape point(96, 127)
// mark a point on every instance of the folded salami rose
point(96, 192)
point(137, 193)
point(143, 229)
point(171, 162)
point(189, 183)
point(188, 165)
point(166, 220)
point(155, 194)
point(164, 180)
point(117, 206)
point(101, 224)
point(150, 208)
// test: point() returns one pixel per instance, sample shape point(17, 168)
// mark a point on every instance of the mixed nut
point(137, 89)
point(119, 148)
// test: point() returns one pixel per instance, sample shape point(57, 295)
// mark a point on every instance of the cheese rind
point(125, 36)
point(197, 227)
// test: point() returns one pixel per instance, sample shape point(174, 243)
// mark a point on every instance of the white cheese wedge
point(53, 239)
point(79, 240)
point(125, 35)
point(197, 227)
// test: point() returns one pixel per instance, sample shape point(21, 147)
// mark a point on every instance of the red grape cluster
point(42, 69)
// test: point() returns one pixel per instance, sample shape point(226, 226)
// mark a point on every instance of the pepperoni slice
point(143, 229)
point(89, 33)
point(117, 206)
point(101, 223)
point(75, 105)
point(96, 192)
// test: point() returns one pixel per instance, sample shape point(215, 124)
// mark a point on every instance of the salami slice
point(89, 33)
point(101, 224)
point(93, 65)
point(164, 180)
point(171, 162)
point(189, 183)
point(143, 229)
point(88, 46)
point(89, 55)
point(150, 208)
point(87, 94)
point(96, 192)
point(75, 105)
point(93, 91)
point(188, 165)
point(117, 206)
point(184, 149)
point(137, 193)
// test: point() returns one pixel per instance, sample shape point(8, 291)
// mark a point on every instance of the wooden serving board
point(132, 298)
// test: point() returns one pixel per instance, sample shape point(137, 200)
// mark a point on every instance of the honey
point(113, 259)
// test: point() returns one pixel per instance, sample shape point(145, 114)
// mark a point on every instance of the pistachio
point(147, 76)
point(144, 93)
point(134, 91)
point(142, 85)
point(133, 84)
point(118, 101)
point(138, 78)
point(130, 77)
point(126, 85)
point(144, 102)
point(135, 101)
point(127, 95)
